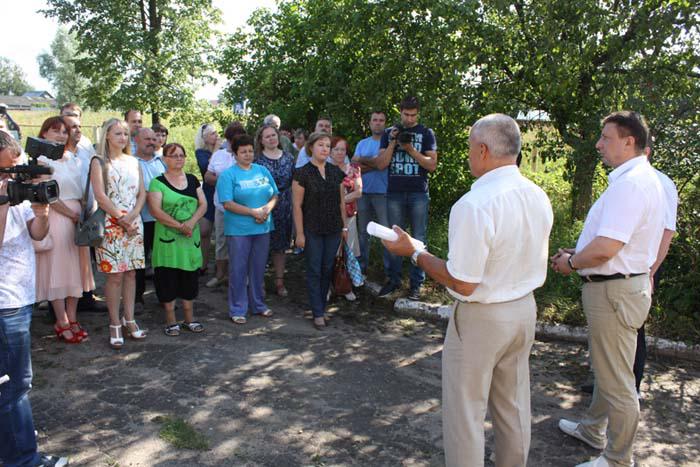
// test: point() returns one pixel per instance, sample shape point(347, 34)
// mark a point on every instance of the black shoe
point(587, 388)
point(52, 461)
point(388, 289)
point(92, 306)
point(414, 294)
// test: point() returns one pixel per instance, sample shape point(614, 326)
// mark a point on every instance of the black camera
point(404, 136)
point(21, 188)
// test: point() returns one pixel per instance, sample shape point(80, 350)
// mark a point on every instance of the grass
point(181, 434)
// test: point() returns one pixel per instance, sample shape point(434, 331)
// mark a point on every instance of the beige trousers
point(221, 251)
point(614, 311)
point(485, 366)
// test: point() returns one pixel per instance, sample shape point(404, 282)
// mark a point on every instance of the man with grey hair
point(287, 145)
point(498, 246)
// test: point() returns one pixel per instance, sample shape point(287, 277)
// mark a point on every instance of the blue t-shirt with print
point(405, 174)
point(375, 181)
point(252, 188)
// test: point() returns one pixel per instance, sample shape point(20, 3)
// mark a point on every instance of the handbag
point(342, 284)
point(90, 230)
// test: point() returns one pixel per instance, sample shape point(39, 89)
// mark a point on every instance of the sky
point(27, 34)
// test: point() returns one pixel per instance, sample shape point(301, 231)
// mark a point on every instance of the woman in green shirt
point(177, 202)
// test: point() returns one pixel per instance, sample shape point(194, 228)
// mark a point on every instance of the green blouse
point(171, 249)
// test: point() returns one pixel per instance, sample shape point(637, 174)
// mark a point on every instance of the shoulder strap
point(87, 184)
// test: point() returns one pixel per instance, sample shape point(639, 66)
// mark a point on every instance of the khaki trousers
point(485, 366)
point(614, 310)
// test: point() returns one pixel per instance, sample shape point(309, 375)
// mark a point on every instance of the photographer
point(409, 151)
point(19, 224)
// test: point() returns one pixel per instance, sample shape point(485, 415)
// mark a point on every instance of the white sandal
point(116, 342)
point(137, 334)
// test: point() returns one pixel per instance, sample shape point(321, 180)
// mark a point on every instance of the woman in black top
point(319, 218)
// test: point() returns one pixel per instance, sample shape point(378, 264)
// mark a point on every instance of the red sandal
point(61, 334)
point(78, 330)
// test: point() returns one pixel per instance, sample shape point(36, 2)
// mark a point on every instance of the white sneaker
point(597, 462)
point(214, 281)
point(572, 429)
point(350, 296)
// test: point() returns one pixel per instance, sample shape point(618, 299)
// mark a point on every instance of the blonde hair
point(103, 147)
point(201, 137)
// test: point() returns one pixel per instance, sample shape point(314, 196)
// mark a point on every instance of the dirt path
point(277, 392)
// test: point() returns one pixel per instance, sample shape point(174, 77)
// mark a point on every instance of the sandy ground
point(276, 392)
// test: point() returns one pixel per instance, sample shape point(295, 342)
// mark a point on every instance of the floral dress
point(120, 252)
point(281, 170)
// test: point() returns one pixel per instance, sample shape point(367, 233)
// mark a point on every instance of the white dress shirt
point(499, 237)
point(670, 199)
point(631, 210)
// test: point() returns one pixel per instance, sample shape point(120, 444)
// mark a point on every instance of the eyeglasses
point(177, 156)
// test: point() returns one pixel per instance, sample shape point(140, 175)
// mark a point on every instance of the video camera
point(404, 136)
point(21, 187)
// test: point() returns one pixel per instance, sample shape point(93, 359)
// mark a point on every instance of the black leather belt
point(603, 278)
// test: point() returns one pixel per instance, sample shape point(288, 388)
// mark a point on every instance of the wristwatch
point(571, 265)
point(414, 256)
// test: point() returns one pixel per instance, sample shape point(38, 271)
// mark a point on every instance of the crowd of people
point(260, 194)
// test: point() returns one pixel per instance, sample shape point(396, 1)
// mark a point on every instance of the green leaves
point(147, 54)
point(12, 79)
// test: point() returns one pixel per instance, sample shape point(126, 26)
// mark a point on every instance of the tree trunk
point(155, 117)
point(585, 163)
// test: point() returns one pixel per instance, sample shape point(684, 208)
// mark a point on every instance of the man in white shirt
point(71, 109)
point(498, 246)
point(614, 253)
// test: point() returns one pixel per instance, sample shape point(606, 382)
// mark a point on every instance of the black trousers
point(640, 356)
point(148, 233)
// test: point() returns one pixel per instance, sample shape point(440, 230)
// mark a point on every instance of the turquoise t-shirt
point(252, 188)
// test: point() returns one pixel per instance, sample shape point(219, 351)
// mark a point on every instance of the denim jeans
point(371, 207)
point(246, 277)
point(319, 253)
point(17, 438)
point(414, 206)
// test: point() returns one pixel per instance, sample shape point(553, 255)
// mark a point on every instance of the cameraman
point(18, 226)
point(410, 152)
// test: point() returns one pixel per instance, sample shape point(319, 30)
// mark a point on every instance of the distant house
point(29, 100)
point(16, 102)
point(38, 95)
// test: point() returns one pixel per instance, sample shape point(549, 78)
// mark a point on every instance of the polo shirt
point(499, 237)
point(150, 169)
point(630, 210)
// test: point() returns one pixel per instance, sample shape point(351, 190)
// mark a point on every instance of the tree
point(58, 67)
point(575, 60)
point(348, 57)
point(12, 79)
point(145, 54)
point(580, 60)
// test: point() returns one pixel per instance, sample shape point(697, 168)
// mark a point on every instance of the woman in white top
point(119, 191)
point(63, 269)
